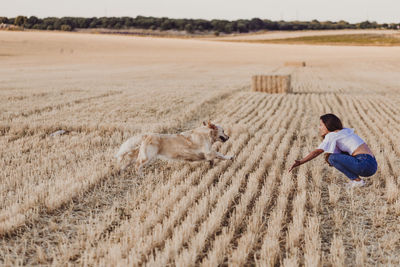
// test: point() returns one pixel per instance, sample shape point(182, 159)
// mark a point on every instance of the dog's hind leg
point(129, 149)
point(132, 156)
point(146, 154)
point(129, 162)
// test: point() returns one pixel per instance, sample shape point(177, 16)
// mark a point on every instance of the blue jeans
point(360, 165)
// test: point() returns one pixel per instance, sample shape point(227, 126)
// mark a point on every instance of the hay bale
point(275, 84)
point(254, 83)
point(295, 64)
point(284, 84)
point(271, 83)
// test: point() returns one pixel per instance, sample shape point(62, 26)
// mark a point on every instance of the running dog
point(194, 145)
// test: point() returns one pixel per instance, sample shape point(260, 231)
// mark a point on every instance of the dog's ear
point(211, 126)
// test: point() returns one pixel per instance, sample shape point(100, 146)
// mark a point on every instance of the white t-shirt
point(345, 140)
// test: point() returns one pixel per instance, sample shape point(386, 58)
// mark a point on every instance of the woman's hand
point(309, 157)
point(327, 159)
point(296, 163)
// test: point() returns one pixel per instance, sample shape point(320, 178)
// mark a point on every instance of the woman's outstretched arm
point(313, 154)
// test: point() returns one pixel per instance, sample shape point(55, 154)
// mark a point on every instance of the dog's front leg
point(216, 155)
point(222, 156)
point(139, 169)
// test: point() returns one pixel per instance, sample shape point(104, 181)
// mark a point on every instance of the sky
point(352, 11)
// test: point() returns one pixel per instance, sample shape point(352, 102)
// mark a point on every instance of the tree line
point(189, 25)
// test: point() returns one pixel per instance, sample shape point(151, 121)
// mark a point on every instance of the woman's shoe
point(354, 183)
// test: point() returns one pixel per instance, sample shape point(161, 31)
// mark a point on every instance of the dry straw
point(295, 64)
point(272, 84)
point(243, 212)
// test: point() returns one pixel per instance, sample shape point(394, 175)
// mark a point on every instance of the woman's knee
point(370, 169)
point(332, 159)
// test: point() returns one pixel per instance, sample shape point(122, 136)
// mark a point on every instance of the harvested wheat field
point(63, 200)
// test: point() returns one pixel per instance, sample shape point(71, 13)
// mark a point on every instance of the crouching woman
point(345, 150)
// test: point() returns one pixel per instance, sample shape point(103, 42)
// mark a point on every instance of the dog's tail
point(129, 146)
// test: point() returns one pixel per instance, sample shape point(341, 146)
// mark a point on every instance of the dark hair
point(332, 122)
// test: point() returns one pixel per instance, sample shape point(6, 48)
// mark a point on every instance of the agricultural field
point(340, 39)
point(64, 201)
point(273, 35)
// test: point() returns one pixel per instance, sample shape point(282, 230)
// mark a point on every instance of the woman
point(347, 152)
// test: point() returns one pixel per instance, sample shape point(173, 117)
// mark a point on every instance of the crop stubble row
point(249, 211)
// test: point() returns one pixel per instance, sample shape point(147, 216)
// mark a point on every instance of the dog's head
point(217, 132)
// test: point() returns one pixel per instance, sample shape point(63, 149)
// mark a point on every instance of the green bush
point(3, 20)
point(189, 25)
point(65, 27)
point(189, 28)
point(20, 20)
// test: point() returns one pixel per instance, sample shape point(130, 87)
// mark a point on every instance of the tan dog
point(192, 145)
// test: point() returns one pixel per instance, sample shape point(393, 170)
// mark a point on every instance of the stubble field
point(63, 200)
